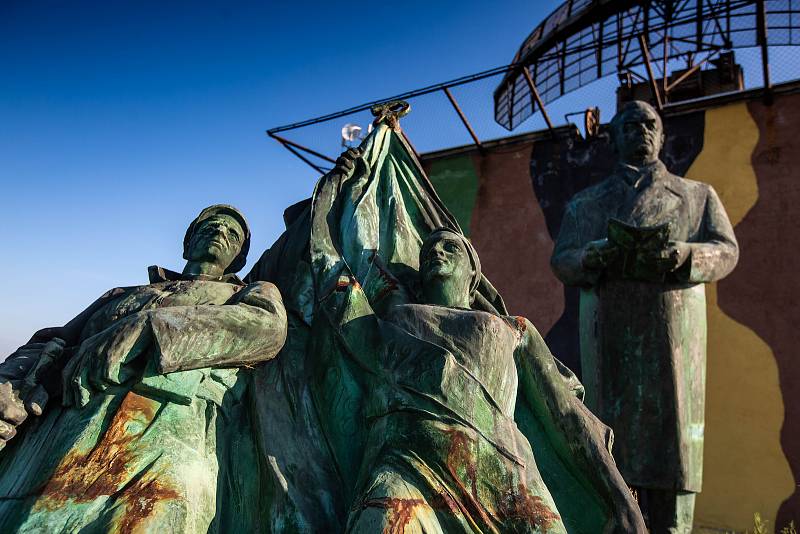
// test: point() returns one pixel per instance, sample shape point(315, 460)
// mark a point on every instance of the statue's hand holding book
point(645, 252)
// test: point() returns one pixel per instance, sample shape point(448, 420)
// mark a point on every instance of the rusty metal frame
point(685, 28)
point(689, 72)
point(537, 98)
point(463, 118)
point(650, 76)
point(718, 25)
point(761, 31)
point(296, 148)
point(285, 141)
point(403, 96)
point(304, 159)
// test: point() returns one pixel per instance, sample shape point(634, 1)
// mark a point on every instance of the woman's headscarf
point(471, 253)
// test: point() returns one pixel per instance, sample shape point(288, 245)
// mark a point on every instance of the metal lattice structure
point(584, 40)
point(660, 49)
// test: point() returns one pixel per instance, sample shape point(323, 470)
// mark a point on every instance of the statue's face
point(444, 258)
point(217, 239)
point(638, 135)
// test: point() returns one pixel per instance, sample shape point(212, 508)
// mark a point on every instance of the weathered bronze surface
point(404, 396)
point(640, 245)
point(431, 373)
point(154, 431)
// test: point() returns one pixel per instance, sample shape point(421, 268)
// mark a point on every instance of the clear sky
point(120, 120)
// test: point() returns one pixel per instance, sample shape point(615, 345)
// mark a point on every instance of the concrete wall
point(511, 198)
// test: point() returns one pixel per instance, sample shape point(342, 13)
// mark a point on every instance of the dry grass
point(761, 526)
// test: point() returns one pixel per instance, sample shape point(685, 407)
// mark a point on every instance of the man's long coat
point(643, 343)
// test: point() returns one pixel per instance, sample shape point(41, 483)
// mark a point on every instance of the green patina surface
point(421, 409)
point(154, 434)
point(403, 397)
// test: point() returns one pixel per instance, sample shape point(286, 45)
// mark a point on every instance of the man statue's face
point(444, 259)
point(638, 135)
point(217, 239)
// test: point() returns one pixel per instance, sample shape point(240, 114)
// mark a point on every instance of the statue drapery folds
point(421, 355)
point(390, 386)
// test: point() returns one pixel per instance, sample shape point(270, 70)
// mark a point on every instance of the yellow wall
point(745, 470)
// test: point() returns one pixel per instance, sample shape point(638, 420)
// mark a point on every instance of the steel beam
point(665, 64)
point(284, 141)
point(404, 96)
point(689, 72)
point(302, 157)
point(535, 95)
point(649, 67)
point(599, 50)
point(761, 34)
point(463, 118)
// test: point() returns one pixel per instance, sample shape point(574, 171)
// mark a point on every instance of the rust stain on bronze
point(400, 512)
point(443, 501)
point(104, 470)
point(460, 455)
point(391, 284)
point(520, 324)
point(141, 498)
point(520, 505)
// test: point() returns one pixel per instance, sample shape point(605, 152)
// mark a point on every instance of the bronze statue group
point(366, 377)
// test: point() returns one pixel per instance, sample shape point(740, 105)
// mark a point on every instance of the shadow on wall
point(752, 476)
point(764, 291)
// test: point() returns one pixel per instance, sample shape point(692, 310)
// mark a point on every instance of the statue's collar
point(160, 274)
point(638, 177)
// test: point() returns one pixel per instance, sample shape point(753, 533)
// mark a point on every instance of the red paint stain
point(443, 501)
point(385, 276)
point(460, 456)
point(516, 323)
point(103, 471)
point(390, 284)
point(401, 511)
point(141, 499)
point(530, 509)
point(521, 324)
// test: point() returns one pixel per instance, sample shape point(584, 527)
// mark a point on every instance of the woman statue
point(436, 375)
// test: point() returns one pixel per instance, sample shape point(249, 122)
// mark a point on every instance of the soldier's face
point(444, 257)
point(217, 239)
point(638, 136)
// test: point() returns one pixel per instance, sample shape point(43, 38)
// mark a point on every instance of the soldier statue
point(153, 432)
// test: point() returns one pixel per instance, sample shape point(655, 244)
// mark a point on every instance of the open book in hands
point(637, 246)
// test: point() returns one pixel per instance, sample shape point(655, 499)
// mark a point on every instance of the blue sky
point(120, 120)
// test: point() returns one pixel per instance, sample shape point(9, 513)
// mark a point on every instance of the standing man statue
point(641, 244)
